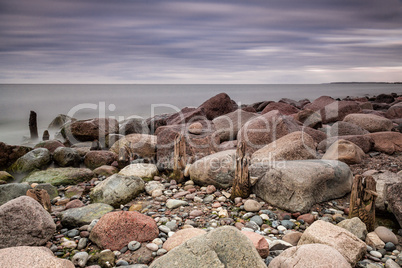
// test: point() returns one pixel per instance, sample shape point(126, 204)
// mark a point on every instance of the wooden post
point(46, 135)
point(33, 125)
point(241, 182)
point(179, 158)
point(362, 200)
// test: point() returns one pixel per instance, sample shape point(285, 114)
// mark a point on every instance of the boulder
point(370, 122)
point(336, 111)
point(51, 145)
point(24, 222)
point(195, 128)
point(66, 157)
point(12, 190)
point(345, 151)
point(384, 98)
point(283, 108)
point(319, 103)
point(95, 159)
point(134, 125)
point(292, 237)
point(386, 142)
point(117, 190)
point(77, 217)
point(34, 160)
point(60, 176)
point(197, 146)
point(216, 106)
point(395, 111)
point(264, 129)
point(342, 128)
point(33, 257)
point(105, 170)
point(317, 135)
point(144, 171)
point(364, 142)
point(10, 153)
point(374, 241)
point(5, 176)
point(298, 104)
point(309, 118)
point(394, 198)
point(386, 235)
point(321, 232)
point(50, 189)
point(90, 129)
point(186, 115)
point(223, 247)
point(355, 226)
point(59, 121)
point(294, 146)
point(141, 145)
point(182, 236)
point(112, 139)
point(227, 126)
point(311, 255)
point(216, 169)
point(297, 185)
point(259, 242)
point(116, 229)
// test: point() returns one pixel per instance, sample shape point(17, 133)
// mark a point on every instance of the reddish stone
point(218, 105)
point(76, 203)
point(51, 145)
point(284, 108)
point(319, 103)
point(239, 225)
point(84, 234)
point(308, 218)
point(250, 109)
point(116, 229)
point(95, 159)
point(10, 153)
point(186, 115)
point(387, 142)
point(259, 242)
point(211, 189)
point(91, 129)
point(296, 215)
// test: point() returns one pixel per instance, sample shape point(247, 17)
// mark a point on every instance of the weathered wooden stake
point(33, 125)
point(179, 158)
point(241, 182)
point(46, 135)
point(362, 200)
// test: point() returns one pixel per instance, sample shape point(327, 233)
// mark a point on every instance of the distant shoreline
point(366, 83)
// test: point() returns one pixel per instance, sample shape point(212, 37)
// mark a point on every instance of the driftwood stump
point(33, 125)
point(179, 158)
point(42, 197)
point(46, 135)
point(241, 182)
point(362, 200)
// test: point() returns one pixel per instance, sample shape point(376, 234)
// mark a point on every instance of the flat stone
point(173, 203)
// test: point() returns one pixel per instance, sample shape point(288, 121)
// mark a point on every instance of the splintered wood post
point(33, 125)
point(362, 200)
point(179, 158)
point(241, 182)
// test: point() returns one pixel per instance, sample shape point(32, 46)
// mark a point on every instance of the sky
point(200, 42)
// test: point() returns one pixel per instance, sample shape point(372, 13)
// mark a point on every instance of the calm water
point(122, 101)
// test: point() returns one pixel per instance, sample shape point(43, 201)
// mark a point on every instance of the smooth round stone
point(161, 251)
point(247, 229)
point(257, 219)
point(121, 263)
point(252, 205)
point(164, 228)
point(287, 224)
point(221, 199)
point(157, 241)
point(265, 217)
point(69, 244)
point(248, 215)
point(134, 245)
point(375, 254)
point(171, 225)
point(252, 225)
point(275, 224)
point(152, 247)
point(208, 199)
point(170, 234)
point(369, 248)
point(82, 243)
point(389, 246)
point(80, 259)
point(281, 228)
point(386, 235)
point(73, 232)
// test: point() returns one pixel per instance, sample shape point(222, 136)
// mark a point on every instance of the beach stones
point(345, 151)
point(321, 232)
point(182, 236)
point(216, 106)
point(66, 157)
point(195, 128)
point(297, 185)
point(10, 153)
point(355, 226)
point(142, 145)
point(386, 235)
point(386, 142)
point(394, 198)
point(223, 247)
point(311, 255)
point(143, 171)
point(252, 205)
point(370, 122)
point(75, 217)
point(34, 160)
point(90, 129)
point(51, 145)
point(135, 226)
point(364, 142)
point(117, 190)
point(134, 125)
point(216, 169)
point(25, 256)
point(259, 242)
point(95, 159)
point(24, 222)
point(12, 190)
point(283, 108)
point(342, 128)
point(60, 176)
point(227, 126)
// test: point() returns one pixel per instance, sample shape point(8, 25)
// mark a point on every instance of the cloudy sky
point(210, 41)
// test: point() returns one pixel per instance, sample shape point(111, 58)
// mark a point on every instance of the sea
point(138, 100)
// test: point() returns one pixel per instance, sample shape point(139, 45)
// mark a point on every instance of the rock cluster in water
point(117, 203)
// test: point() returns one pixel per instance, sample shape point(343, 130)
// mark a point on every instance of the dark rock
point(34, 160)
point(60, 176)
point(66, 157)
point(216, 106)
point(363, 141)
point(59, 121)
point(10, 153)
point(341, 128)
point(95, 159)
point(283, 108)
point(89, 130)
point(11, 191)
point(51, 145)
point(384, 98)
point(134, 125)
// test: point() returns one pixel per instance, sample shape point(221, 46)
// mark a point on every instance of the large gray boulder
point(370, 122)
point(12, 190)
point(297, 185)
point(117, 190)
point(134, 125)
point(75, 217)
point(321, 232)
point(217, 169)
point(60, 176)
point(222, 247)
point(311, 255)
point(24, 222)
point(229, 124)
point(66, 157)
point(33, 257)
point(34, 160)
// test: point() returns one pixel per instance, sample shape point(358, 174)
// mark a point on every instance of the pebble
point(389, 246)
point(171, 225)
point(69, 244)
point(80, 259)
point(134, 245)
point(73, 232)
point(375, 254)
point(208, 199)
point(257, 219)
point(164, 228)
point(391, 264)
point(248, 215)
point(157, 241)
point(173, 203)
point(287, 224)
point(281, 228)
point(152, 247)
point(252, 206)
point(252, 225)
point(121, 263)
point(82, 243)
point(161, 251)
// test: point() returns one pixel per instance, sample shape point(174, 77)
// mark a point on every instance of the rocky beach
point(159, 191)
